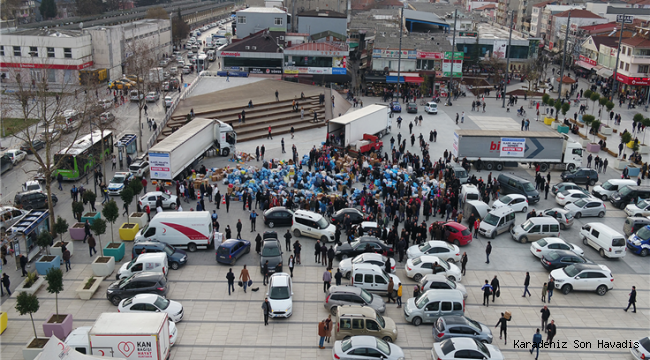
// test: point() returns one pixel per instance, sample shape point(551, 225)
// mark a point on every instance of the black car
point(175, 258)
point(362, 245)
point(561, 258)
point(581, 176)
point(33, 199)
point(278, 216)
point(356, 216)
point(36, 144)
point(138, 283)
point(271, 251)
point(412, 108)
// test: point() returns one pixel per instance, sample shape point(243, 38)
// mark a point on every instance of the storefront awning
point(393, 79)
point(585, 65)
point(414, 79)
point(375, 79)
point(605, 72)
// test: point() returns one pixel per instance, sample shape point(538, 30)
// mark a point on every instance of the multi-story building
point(113, 45)
point(35, 54)
point(317, 21)
point(255, 19)
point(634, 63)
point(525, 11)
point(536, 11)
point(579, 17)
point(503, 11)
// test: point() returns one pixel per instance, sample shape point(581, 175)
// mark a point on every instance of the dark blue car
point(395, 107)
point(231, 250)
point(639, 243)
point(175, 257)
point(562, 258)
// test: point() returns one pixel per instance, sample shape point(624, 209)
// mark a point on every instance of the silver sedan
point(586, 207)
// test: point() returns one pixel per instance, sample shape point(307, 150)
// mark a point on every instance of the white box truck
point(156, 75)
point(124, 335)
point(350, 128)
point(188, 229)
point(175, 155)
point(499, 148)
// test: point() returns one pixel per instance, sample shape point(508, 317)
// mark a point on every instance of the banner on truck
point(160, 166)
point(513, 147)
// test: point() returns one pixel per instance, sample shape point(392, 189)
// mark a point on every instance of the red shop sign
point(634, 81)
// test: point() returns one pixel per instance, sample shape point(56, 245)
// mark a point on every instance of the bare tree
point(530, 72)
point(141, 65)
point(496, 65)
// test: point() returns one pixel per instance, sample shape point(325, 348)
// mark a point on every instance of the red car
point(459, 234)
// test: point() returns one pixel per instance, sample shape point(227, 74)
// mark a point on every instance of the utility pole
point(399, 55)
point(566, 40)
point(618, 54)
point(505, 83)
point(453, 51)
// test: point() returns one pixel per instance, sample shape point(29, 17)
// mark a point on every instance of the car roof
point(345, 288)
point(364, 340)
point(553, 240)
point(347, 210)
point(372, 256)
point(599, 267)
point(454, 320)
point(364, 266)
point(514, 196)
point(149, 243)
point(280, 279)
point(308, 214)
point(368, 239)
point(455, 225)
point(229, 243)
point(559, 210)
point(147, 274)
point(430, 258)
point(464, 343)
point(564, 252)
point(152, 256)
point(152, 193)
point(434, 277)
point(574, 191)
point(140, 298)
point(276, 208)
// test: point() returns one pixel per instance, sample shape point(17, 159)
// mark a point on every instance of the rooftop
point(579, 14)
point(637, 42)
point(487, 31)
point(62, 33)
point(261, 41)
point(486, 7)
point(609, 41)
point(561, 8)
point(318, 46)
point(322, 13)
point(262, 10)
point(544, 3)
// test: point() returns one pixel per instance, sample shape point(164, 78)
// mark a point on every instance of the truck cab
point(573, 155)
point(226, 138)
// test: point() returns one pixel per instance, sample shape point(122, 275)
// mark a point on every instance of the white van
point(374, 279)
point(497, 221)
point(180, 229)
point(610, 187)
point(149, 262)
point(469, 192)
point(136, 95)
point(307, 223)
point(431, 108)
point(609, 242)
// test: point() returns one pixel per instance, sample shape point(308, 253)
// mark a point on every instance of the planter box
point(128, 231)
point(562, 129)
point(77, 231)
point(593, 148)
point(42, 265)
point(30, 353)
point(59, 329)
point(644, 149)
point(584, 141)
point(103, 269)
point(87, 294)
point(633, 171)
point(3, 322)
point(554, 125)
point(606, 130)
point(548, 120)
point(620, 164)
point(30, 290)
point(138, 218)
point(117, 252)
point(90, 216)
point(57, 250)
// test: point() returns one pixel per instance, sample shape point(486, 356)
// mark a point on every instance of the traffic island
point(115, 250)
point(89, 286)
point(128, 231)
point(103, 266)
point(58, 325)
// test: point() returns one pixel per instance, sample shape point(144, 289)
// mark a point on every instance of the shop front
point(634, 87)
point(585, 67)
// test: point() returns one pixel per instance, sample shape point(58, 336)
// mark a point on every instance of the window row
point(34, 51)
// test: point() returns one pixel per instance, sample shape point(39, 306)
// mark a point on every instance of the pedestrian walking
point(323, 255)
point(244, 277)
point(526, 284)
point(114, 161)
point(287, 241)
point(239, 227)
point(265, 272)
point(297, 248)
point(488, 251)
point(503, 331)
point(6, 283)
point(292, 263)
point(277, 97)
point(487, 291)
point(544, 290)
point(322, 332)
point(463, 263)
point(330, 257)
point(496, 289)
point(282, 142)
point(328, 328)
point(632, 300)
point(551, 330)
point(536, 344)
point(399, 295)
point(266, 310)
point(253, 218)
point(551, 287)
point(230, 276)
point(327, 280)
point(338, 276)
point(86, 231)
point(59, 179)
point(391, 287)
point(546, 313)
point(23, 264)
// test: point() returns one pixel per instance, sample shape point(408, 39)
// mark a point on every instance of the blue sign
point(233, 73)
point(339, 71)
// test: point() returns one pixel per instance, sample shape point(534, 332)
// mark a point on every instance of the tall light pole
point(399, 55)
point(453, 51)
point(505, 83)
point(566, 40)
point(618, 54)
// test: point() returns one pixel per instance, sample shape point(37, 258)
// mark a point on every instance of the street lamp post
point(505, 84)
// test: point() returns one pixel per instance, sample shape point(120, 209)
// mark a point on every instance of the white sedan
point(16, 155)
point(357, 347)
point(345, 265)
point(280, 295)
point(154, 303)
point(424, 265)
point(168, 101)
point(641, 208)
point(168, 201)
point(152, 97)
point(473, 349)
point(569, 196)
point(515, 201)
point(173, 332)
point(438, 248)
point(546, 245)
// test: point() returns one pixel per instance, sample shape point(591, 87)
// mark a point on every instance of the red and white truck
point(361, 129)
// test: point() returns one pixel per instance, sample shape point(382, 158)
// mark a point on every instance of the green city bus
point(83, 155)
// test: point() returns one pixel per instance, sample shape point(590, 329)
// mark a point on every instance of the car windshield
point(417, 261)
point(474, 324)
point(443, 263)
point(568, 216)
point(642, 204)
point(553, 256)
point(279, 293)
point(574, 170)
point(505, 199)
point(465, 232)
point(125, 281)
point(271, 251)
point(169, 250)
point(625, 191)
point(607, 185)
point(528, 186)
point(358, 259)
point(571, 271)
point(643, 233)
point(381, 321)
point(452, 285)
point(131, 263)
point(447, 346)
point(421, 301)
point(482, 348)
point(366, 296)
point(346, 345)
point(118, 179)
point(322, 223)
point(425, 247)
point(541, 243)
point(580, 203)
point(527, 225)
point(161, 303)
point(491, 219)
point(383, 346)
point(645, 342)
